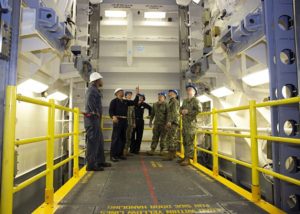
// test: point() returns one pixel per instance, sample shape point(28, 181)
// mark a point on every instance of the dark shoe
point(105, 164)
point(185, 162)
point(96, 169)
point(180, 160)
point(130, 154)
point(122, 158)
point(113, 159)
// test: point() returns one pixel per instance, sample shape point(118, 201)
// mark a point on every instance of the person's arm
point(152, 113)
point(147, 106)
point(196, 109)
point(112, 108)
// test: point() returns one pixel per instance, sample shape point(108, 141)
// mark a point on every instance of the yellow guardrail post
point(7, 182)
point(254, 152)
point(215, 142)
point(76, 143)
point(195, 148)
point(49, 191)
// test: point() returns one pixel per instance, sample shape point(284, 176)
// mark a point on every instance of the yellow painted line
point(244, 193)
point(153, 164)
point(159, 165)
point(60, 194)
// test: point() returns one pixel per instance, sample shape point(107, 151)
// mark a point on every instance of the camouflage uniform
point(159, 128)
point(173, 118)
point(130, 127)
point(189, 125)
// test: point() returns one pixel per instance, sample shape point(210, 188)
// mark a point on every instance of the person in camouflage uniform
point(131, 123)
point(172, 125)
point(189, 110)
point(159, 112)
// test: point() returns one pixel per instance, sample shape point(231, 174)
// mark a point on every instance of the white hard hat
point(117, 90)
point(95, 76)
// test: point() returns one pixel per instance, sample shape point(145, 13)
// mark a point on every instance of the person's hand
point(150, 124)
point(169, 124)
point(115, 119)
point(137, 89)
point(184, 111)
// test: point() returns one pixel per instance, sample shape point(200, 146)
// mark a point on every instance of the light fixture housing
point(58, 96)
point(31, 85)
point(155, 15)
point(115, 14)
point(257, 78)
point(222, 92)
point(204, 98)
point(196, 1)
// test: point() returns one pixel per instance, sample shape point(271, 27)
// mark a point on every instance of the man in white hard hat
point(118, 109)
point(92, 120)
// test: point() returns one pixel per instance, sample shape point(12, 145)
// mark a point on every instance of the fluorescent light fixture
point(115, 13)
point(58, 96)
point(204, 98)
point(196, 1)
point(222, 92)
point(115, 22)
point(257, 78)
point(31, 85)
point(155, 15)
point(155, 23)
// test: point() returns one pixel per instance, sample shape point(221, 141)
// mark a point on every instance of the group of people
point(128, 124)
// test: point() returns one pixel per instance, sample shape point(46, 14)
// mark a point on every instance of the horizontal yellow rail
point(63, 135)
point(31, 140)
point(279, 176)
point(280, 139)
point(30, 181)
point(56, 166)
point(240, 108)
point(204, 150)
point(279, 102)
point(233, 134)
point(63, 108)
point(33, 101)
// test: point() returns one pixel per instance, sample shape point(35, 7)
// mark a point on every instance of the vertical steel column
point(7, 183)
point(280, 36)
point(8, 74)
point(49, 191)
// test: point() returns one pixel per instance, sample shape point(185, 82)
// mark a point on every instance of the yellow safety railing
point(7, 185)
point(255, 194)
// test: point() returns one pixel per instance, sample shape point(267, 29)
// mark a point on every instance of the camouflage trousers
point(172, 138)
point(159, 135)
point(129, 131)
point(188, 135)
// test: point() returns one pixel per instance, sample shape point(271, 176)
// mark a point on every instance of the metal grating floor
point(147, 185)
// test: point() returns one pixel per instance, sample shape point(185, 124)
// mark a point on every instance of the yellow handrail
point(7, 183)
point(254, 195)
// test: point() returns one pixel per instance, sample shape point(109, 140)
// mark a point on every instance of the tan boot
point(185, 162)
point(161, 152)
point(125, 152)
point(152, 152)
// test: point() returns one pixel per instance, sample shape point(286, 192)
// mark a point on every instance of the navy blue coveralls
point(137, 134)
point(119, 107)
point(92, 120)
